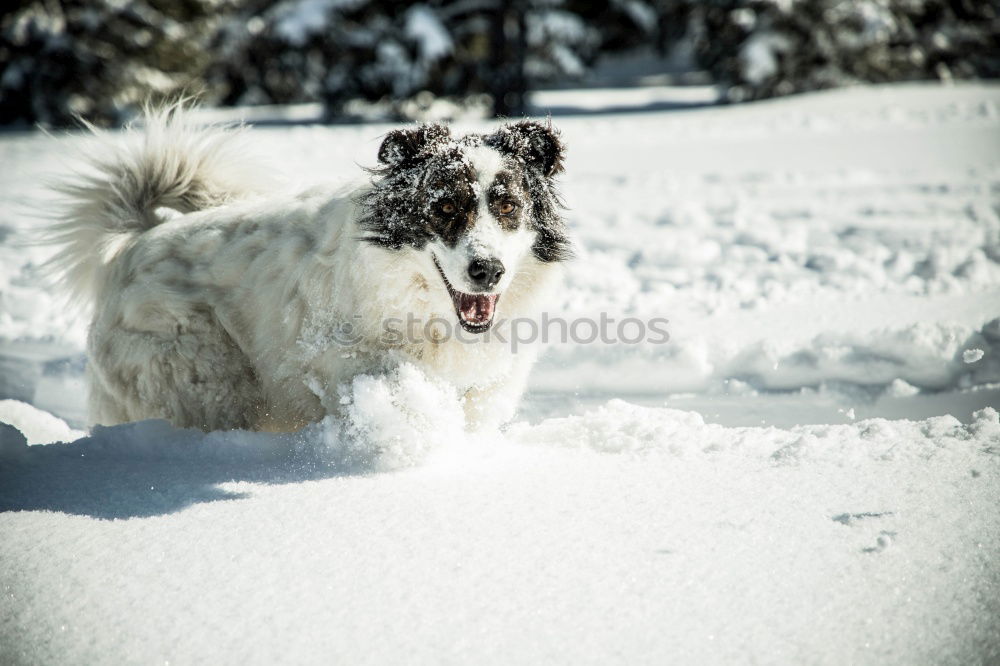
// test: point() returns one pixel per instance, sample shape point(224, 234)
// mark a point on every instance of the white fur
point(228, 314)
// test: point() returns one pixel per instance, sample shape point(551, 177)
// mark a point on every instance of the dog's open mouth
point(475, 311)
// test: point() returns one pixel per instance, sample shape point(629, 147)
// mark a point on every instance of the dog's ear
point(407, 147)
point(537, 144)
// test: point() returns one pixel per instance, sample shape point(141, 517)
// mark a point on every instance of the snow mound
point(398, 421)
point(388, 422)
point(37, 426)
point(391, 421)
point(705, 543)
point(620, 427)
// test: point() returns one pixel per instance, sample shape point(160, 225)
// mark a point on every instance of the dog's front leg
point(328, 376)
point(489, 406)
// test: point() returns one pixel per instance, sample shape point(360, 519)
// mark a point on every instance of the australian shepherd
point(221, 302)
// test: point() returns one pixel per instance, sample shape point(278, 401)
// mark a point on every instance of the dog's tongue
point(476, 308)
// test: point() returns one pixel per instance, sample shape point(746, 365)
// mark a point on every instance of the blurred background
point(385, 60)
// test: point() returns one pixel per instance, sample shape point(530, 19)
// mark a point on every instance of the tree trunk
point(508, 43)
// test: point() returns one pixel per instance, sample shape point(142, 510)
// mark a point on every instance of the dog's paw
point(486, 410)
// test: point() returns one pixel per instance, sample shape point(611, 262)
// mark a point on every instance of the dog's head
point(480, 207)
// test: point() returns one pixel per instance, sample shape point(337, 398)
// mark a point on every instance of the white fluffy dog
point(218, 304)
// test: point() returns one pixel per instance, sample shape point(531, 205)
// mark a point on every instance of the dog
point(222, 302)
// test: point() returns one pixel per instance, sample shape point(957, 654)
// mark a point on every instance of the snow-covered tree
point(101, 59)
point(98, 59)
point(332, 50)
point(761, 48)
point(337, 50)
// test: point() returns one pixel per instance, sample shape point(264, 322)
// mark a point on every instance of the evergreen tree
point(337, 50)
point(98, 59)
point(762, 48)
point(101, 59)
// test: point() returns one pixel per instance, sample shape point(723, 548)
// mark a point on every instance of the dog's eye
point(506, 208)
point(447, 208)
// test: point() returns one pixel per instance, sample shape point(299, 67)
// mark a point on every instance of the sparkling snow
point(808, 471)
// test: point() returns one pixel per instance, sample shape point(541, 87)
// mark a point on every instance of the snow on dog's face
point(479, 207)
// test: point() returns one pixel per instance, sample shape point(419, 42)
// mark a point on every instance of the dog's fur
point(218, 304)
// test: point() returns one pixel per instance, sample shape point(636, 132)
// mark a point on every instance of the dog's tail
point(167, 164)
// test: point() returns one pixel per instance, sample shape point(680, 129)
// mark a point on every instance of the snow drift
point(807, 471)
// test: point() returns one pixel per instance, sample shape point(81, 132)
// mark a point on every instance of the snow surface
point(809, 471)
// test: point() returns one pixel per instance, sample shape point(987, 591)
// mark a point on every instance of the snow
point(298, 20)
point(36, 425)
point(759, 55)
point(425, 29)
point(629, 533)
point(972, 355)
point(807, 471)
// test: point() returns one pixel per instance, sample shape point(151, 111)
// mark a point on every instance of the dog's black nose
point(485, 273)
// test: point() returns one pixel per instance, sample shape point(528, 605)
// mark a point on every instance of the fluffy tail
point(168, 163)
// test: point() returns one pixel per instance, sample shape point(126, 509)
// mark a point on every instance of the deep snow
point(830, 266)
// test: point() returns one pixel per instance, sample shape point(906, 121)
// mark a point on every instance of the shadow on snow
point(149, 468)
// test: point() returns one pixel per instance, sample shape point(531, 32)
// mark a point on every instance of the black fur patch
point(541, 150)
point(425, 189)
point(406, 148)
point(537, 145)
